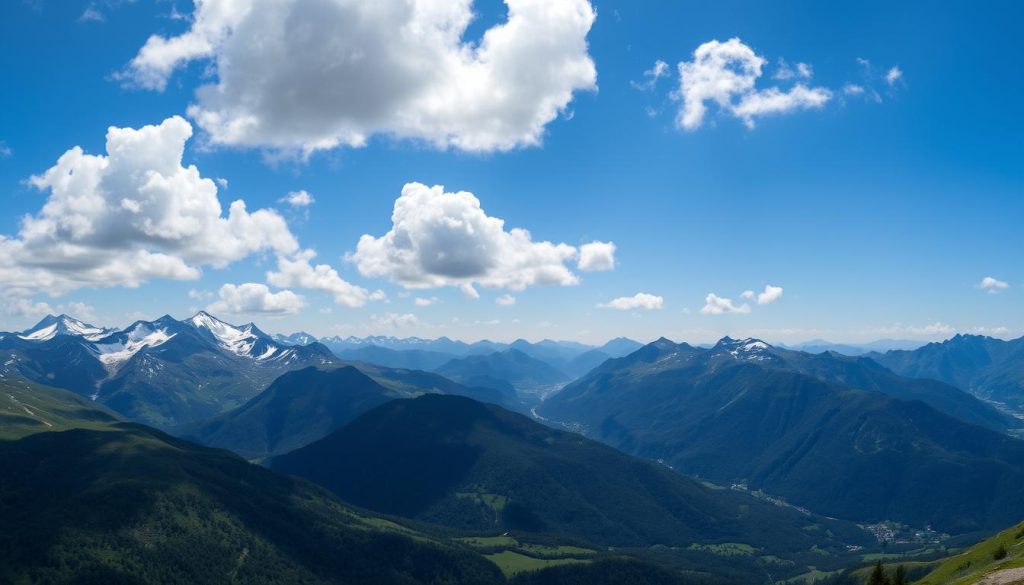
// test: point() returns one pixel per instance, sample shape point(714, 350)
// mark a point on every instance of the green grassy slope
point(1001, 552)
point(27, 408)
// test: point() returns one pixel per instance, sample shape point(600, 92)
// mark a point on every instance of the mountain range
point(879, 345)
point(987, 367)
point(726, 462)
point(570, 358)
point(838, 435)
point(164, 372)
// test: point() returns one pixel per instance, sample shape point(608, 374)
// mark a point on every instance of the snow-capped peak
point(246, 340)
point(748, 349)
point(235, 339)
point(52, 326)
point(204, 320)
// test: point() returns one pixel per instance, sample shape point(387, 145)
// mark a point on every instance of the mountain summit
point(51, 326)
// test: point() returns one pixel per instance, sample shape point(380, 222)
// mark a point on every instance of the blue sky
point(878, 212)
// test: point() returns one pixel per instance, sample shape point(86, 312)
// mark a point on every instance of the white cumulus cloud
point(597, 256)
point(297, 271)
point(255, 298)
point(446, 239)
point(769, 295)
point(640, 300)
point(312, 75)
point(726, 74)
point(298, 199)
point(132, 215)
point(716, 305)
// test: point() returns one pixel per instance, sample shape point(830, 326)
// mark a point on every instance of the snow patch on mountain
point(116, 352)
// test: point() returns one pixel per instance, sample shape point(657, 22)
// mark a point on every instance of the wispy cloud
point(993, 285)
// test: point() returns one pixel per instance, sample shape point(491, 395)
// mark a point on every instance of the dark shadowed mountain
point(793, 426)
point(464, 464)
point(306, 405)
point(866, 374)
point(128, 504)
point(990, 368)
point(297, 409)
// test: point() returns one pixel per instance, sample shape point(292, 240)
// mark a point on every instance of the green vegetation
point(614, 571)
point(27, 408)
point(1000, 553)
point(495, 502)
point(505, 543)
point(725, 549)
point(489, 541)
point(512, 563)
point(1003, 551)
point(555, 551)
point(879, 576)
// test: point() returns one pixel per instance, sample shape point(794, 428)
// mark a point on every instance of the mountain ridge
point(734, 413)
